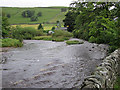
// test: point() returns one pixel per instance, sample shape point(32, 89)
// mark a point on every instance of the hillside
point(49, 14)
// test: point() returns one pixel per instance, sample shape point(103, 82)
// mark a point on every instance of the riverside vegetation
point(95, 22)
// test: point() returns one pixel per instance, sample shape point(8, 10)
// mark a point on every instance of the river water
point(47, 64)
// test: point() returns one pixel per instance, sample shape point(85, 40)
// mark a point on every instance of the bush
point(117, 83)
point(28, 13)
point(40, 26)
point(74, 42)
point(43, 38)
point(8, 42)
point(92, 39)
point(39, 14)
point(58, 39)
point(8, 15)
point(34, 18)
point(53, 28)
point(63, 33)
point(25, 33)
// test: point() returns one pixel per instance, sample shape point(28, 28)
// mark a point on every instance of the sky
point(34, 3)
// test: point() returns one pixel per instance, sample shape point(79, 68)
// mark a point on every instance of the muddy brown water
point(47, 64)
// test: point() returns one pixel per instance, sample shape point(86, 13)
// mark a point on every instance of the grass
point(48, 14)
point(45, 26)
point(8, 42)
point(74, 42)
point(48, 38)
point(117, 84)
point(58, 36)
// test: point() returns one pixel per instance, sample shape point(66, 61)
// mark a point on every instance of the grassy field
point(45, 26)
point(49, 14)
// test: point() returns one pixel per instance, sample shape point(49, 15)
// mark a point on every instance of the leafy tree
point(40, 26)
point(63, 9)
point(97, 22)
point(5, 26)
point(39, 14)
point(69, 20)
point(28, 13)
point(8, 15)
point(53, 28)
point(34, 18)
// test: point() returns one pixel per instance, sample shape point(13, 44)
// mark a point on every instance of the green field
point(49, 14)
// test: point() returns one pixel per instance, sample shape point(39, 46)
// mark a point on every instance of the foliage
point(5, 26)
point(98, 23)
point(43, 38)
point(69, 21)
point(58, 39)
point(53, 28)
point(92, 39)
point(63, 9)
point(63, 33)
point(74, 42)
point(40, 26)
point(8, 42)
point(34, 18)
point(117, 84)
point(25, 33)
point(58, 36)
point(39, 14)
point(28, 13)
point(8, 15)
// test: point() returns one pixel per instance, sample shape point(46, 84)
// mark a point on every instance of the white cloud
point(34, 3)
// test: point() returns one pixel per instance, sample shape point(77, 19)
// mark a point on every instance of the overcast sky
point(34, 3)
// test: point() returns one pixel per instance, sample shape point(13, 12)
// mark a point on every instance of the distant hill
point(49, 14)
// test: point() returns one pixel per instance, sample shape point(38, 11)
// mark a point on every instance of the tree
point(8, 15)
point(63, 9)
point(28, 13)
point(5, 26)
point(69, 20)
point(39, 14)
point(34, 18)
point(97, 22)
point(40, 26)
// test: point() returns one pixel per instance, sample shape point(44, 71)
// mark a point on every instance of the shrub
point(8, 15)
point(58, 39)
point(28, 13)
point(40, 26)
point(53, 28)
point(25, 33)
point(74, 42)
point(43, 38)
point(8, 42)
point(62, 33)
point(34, 18)
point(92, 39)
point(39, 14)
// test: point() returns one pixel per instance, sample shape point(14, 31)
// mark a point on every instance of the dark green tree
point(34, 18)
point(63, 9)
point(40, 26)
point(28, 13)
point(39, 14)
point(5, 26)
point(69, 20)
point(8, 15)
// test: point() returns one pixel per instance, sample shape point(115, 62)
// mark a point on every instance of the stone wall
point(105, 75)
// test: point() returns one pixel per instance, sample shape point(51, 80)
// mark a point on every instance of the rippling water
point(47, 64)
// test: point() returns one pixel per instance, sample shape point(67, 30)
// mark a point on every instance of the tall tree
point(5, 26)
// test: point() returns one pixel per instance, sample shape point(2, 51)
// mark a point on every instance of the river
point(47, 64)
